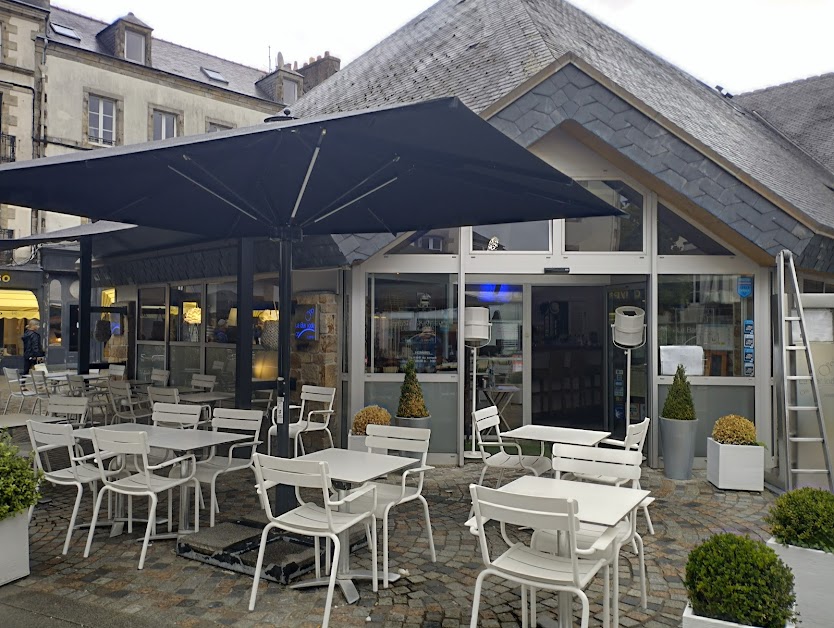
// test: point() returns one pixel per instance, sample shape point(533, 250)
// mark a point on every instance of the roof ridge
point(526, 6)
point(807, 79)
point(155, 38)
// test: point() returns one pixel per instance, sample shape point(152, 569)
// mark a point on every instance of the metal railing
point(8, 148)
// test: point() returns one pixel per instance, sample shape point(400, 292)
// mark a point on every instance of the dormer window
point(134, 46)
point(290, 91)
point(65, 31)
point(214, 75)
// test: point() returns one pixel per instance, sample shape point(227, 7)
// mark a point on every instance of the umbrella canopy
point(396, 169)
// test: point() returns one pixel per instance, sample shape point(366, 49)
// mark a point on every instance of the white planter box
point(813, 571)
point(14, 548)
point(357, 443)
point(690, 620)
point(735, 467)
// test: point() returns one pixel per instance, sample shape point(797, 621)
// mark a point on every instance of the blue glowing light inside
point(495, 293)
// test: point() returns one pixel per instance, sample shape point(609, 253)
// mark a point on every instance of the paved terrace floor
point(106, 590)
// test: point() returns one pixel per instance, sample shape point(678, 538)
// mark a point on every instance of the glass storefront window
point(221, 313)
point(675, 236)
point(184, 362)
point(220, 361)
point(435, 241)
point(411, 317)
point(608, 233)
point(151, 314)
point(706, 322)
point(54, 324)
point(149, 357)
point(185, 313)
point(518, 236)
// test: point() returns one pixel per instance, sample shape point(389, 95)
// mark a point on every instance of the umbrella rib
point(213, 193)
point(358, 185)
point(310, 167)
point(359, 198)
point(128, 206)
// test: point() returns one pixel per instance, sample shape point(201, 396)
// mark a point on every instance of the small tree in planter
point(677, 428)
point(412, 411)
point(802, 523)
point(370, 415)
point(736, 581)
point(735, 460)
point(18, 491)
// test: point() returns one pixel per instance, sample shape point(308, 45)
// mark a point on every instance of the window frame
point(99, 140)
point(164, 112)
point(297, 88)
point(486, 253)
point(144, 40)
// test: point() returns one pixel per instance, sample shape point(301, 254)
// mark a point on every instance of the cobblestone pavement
point(173, 591)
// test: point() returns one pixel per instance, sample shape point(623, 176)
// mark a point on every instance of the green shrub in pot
point(740, 580)
point(678, 428)
point(19, 482)
point(804, 518)
point(679, 404)
point(412, 405)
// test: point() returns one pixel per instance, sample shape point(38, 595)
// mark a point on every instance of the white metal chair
point(309, 519)
point(41, 387)
point(97, 398)
point(116, 371)
point(389, 495)
point(18, 390)
point(80, 471)
point(306, 423)
point(144, 482)
point(571, 571)
point(160, 394)
point(263, 400)
point(205, 383)
point(229, 420)
point(160, 377)
point(73, 409)
point(624, 468)
point(126, 406)
point(509, 455)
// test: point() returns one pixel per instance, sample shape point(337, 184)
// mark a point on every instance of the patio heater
point(628, 332)
point(476, 334)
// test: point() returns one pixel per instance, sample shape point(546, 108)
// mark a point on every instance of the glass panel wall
point(706, 323)
point(184, 362)
point(149, 357)
point(185, 313)
point(676, 236)
point(435, 241)
point(519, 236)
point(54, 324)
point(220, 361)
point(151, 314)
point(221, 313)
point(608, 233)
point(265, 329)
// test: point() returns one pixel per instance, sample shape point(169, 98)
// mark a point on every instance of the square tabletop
point(169, 437)
point(19, 419)
point(206, 397)
point(598, 503)
point(551, 434)
point(356, 467)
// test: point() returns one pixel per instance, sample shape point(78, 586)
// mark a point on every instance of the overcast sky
point(739, 44)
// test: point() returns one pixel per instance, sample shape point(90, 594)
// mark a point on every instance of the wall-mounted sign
point(305, 323)
point(745, 287)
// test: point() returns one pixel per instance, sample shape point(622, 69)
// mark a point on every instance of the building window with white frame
point(213, 127)
point(164, 125)
point(101, 127)
point(134, 46)
point(608, 234)
point(290, 91)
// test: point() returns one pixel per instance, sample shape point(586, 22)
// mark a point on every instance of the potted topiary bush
point(411, 410)
point(19, 484)
point(677, 429)
point(735, 460)
point(732, 580)
point(370, 415)
point(802, 523)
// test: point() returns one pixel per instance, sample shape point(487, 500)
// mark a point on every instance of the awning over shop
point(18, 304)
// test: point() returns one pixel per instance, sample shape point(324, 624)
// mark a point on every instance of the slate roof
point(168, 57)
point(479, 50)
point(802, 110)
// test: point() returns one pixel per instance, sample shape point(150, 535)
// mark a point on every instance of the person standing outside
point(32, 345)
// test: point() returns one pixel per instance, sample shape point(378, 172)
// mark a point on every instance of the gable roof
point(802, 110)
point(480, 50)
point(167, 57)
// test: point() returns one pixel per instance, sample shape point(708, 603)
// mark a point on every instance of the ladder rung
point(811, 471)
point(805, 439)
point(802, 408)
point(799, 378)
point(791, 318)
point(795, 347)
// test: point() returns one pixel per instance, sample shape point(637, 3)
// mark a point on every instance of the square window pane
point(184, 362)
point(169, 125)
point(519, 236)
point(92, 121)
point(134, 47)
point(435, 241)
point(221, 313)
point(676, 236)
point(290, 91)
point(151, 314)
point(108, 106)
point(608, 233)
point(157, 125)
point(220, 362)
point(185, 313)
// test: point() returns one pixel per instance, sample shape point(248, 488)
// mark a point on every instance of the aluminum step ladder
point(804, 424)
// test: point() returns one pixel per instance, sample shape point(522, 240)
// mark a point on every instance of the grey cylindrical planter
point(678, 441)
point(401, 421)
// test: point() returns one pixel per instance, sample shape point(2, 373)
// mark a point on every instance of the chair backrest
point(176, 415)
point(235, 420)
point(116, 370)
point(13, 378)
point(590, 461)
point(290, 472)
point(539, 513)
point(163, 394)
point(47, 436)
point(122, 443)
point(160, 377)
point(77, 385)
point(40, 368)
point(487, 419)
point(205, 382)
point(636, 435)
point(317, 394)
point(40, 382)
point(413, 439)
point(73, 408)
point(119, 389)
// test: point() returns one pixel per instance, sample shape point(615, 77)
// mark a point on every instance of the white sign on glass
point(692, 358)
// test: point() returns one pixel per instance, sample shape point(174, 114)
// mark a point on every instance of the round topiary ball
point(805, 518)
point(370, 415)
point(737, 579)
point(734, 430)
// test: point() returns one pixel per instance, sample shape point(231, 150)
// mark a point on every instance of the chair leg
point(197, 505)
point(328, 565)
point(258, 565)
point(330, 436)
point(642, 561)
point(151, 525)
point(606, 597)
point(525, 618)
point(428, 530)
point(533, 595)
point(72, 518)
point(130, 514)
point(585, 610)
point(317, 550)
point(170, 510)
point(213, 504)
point(370, 531)
point(332, 584)
point(385, 551)
point(476, 599)
point(6, 407)
point(648, 519)
point(615, 599)
point(93, 522)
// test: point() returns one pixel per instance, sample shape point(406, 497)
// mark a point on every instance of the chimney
point(319, 70)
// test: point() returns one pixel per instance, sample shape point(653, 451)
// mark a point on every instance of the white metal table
point(552, 434)
point(352, 467)
point(500, 397)
point(177, 440)
point(18, 419)
point(206, 397)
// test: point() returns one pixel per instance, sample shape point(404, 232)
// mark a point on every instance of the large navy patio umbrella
point(404, 168)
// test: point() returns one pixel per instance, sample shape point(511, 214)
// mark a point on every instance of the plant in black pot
point(412, 411)
point(678, 425)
